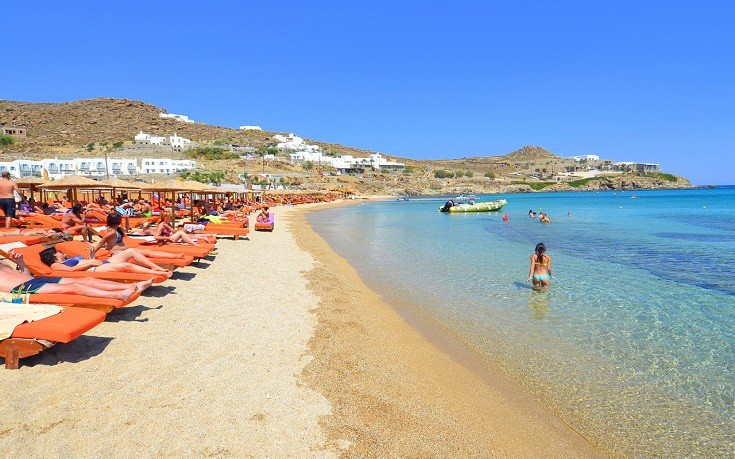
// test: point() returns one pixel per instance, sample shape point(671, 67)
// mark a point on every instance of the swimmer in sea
point(540, 272)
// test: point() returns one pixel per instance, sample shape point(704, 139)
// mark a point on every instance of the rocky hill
point(65, 129)
point(72, 125)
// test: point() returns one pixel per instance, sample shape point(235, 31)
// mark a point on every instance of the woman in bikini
point(114, 237)
point(167, 233)
point(540, 271)
point(120, 262)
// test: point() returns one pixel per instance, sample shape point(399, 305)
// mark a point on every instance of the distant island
point(74, 137)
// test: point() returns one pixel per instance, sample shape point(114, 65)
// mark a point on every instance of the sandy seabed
point(274, 349)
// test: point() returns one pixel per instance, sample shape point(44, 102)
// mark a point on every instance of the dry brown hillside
point(75, 124)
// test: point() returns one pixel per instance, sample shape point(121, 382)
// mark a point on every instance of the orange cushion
point(32, 256)
point(27, 240)
point(62, 327)
point(73, 300)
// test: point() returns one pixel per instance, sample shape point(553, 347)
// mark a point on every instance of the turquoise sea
point(634, 343)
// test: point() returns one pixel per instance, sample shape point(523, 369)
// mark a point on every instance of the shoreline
point(400, 386)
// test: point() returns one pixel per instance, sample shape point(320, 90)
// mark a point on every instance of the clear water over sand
point(634, 344)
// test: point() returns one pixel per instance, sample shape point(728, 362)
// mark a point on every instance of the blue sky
point(642, 81)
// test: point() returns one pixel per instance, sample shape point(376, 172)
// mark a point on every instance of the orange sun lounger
point(27, 240)
point(224, 230)
point(79, 249)
point(32, 256)
point(32, 338)
point(196, 251)
point(81, 301)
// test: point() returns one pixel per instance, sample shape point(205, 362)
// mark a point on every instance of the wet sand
point(395, 393)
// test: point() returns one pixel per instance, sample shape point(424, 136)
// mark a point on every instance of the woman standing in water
point(540, 271)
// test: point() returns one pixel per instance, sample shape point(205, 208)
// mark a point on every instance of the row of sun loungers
point(83, 313)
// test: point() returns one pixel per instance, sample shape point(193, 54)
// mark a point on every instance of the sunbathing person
point(30, 232)
point(114, 237)
point(12, 281)
point(264, 215)
point(73, 223)
point(166, 233)
point(117, 263)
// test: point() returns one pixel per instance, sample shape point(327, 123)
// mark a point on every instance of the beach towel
point(191, 227)
point(14, 314)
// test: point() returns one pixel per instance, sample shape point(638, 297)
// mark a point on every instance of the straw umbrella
point(117, 184)
point(174, 186)
point(29, 182)
point(73, 183)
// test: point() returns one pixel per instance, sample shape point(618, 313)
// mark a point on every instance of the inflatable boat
point(476, 207)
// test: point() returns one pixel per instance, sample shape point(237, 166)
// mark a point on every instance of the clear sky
point(628, 80)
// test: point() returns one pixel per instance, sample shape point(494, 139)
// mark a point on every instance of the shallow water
point(633, 345)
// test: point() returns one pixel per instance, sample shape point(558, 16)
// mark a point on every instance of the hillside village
point(130, 139)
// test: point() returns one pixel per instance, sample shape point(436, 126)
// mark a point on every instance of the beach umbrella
point(118, 184)
point(29, 182)
point(174, 186)
point(72, 183)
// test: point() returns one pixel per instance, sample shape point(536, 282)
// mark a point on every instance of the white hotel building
point(177, 143)
point(94, 167)
point(165, 165)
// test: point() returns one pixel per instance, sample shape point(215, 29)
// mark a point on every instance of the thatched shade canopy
point(121, 184)
point(28, 181)
point(73, 183)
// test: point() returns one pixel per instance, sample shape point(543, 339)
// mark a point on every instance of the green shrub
point(667, 177)
point(117, 145)
point(538, 186)
point(578, 183)
point(441, 173)
point(490, 175)
point(215, 177)
point(6, 140)
point(90, 146)
point(211, 153)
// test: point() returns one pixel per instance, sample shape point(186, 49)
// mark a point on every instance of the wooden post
point(12, 356)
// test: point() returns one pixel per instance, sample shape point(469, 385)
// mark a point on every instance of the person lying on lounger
point(166, 233)
point(120, 262)
point(114, 237)
point(30, 232)
point(12, 281)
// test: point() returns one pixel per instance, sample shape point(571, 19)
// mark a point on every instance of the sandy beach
point(275, 349)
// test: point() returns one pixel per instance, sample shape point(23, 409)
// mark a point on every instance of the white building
point(179, 143)
point(96, 167)
point(165, 165)
point(251, 128)
point(174, 116)
point(636, 167)
point(581, 158)
point(295, 143)
point(300, 157)
point(148, 139)
point(378, 161)
point(183, 164)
